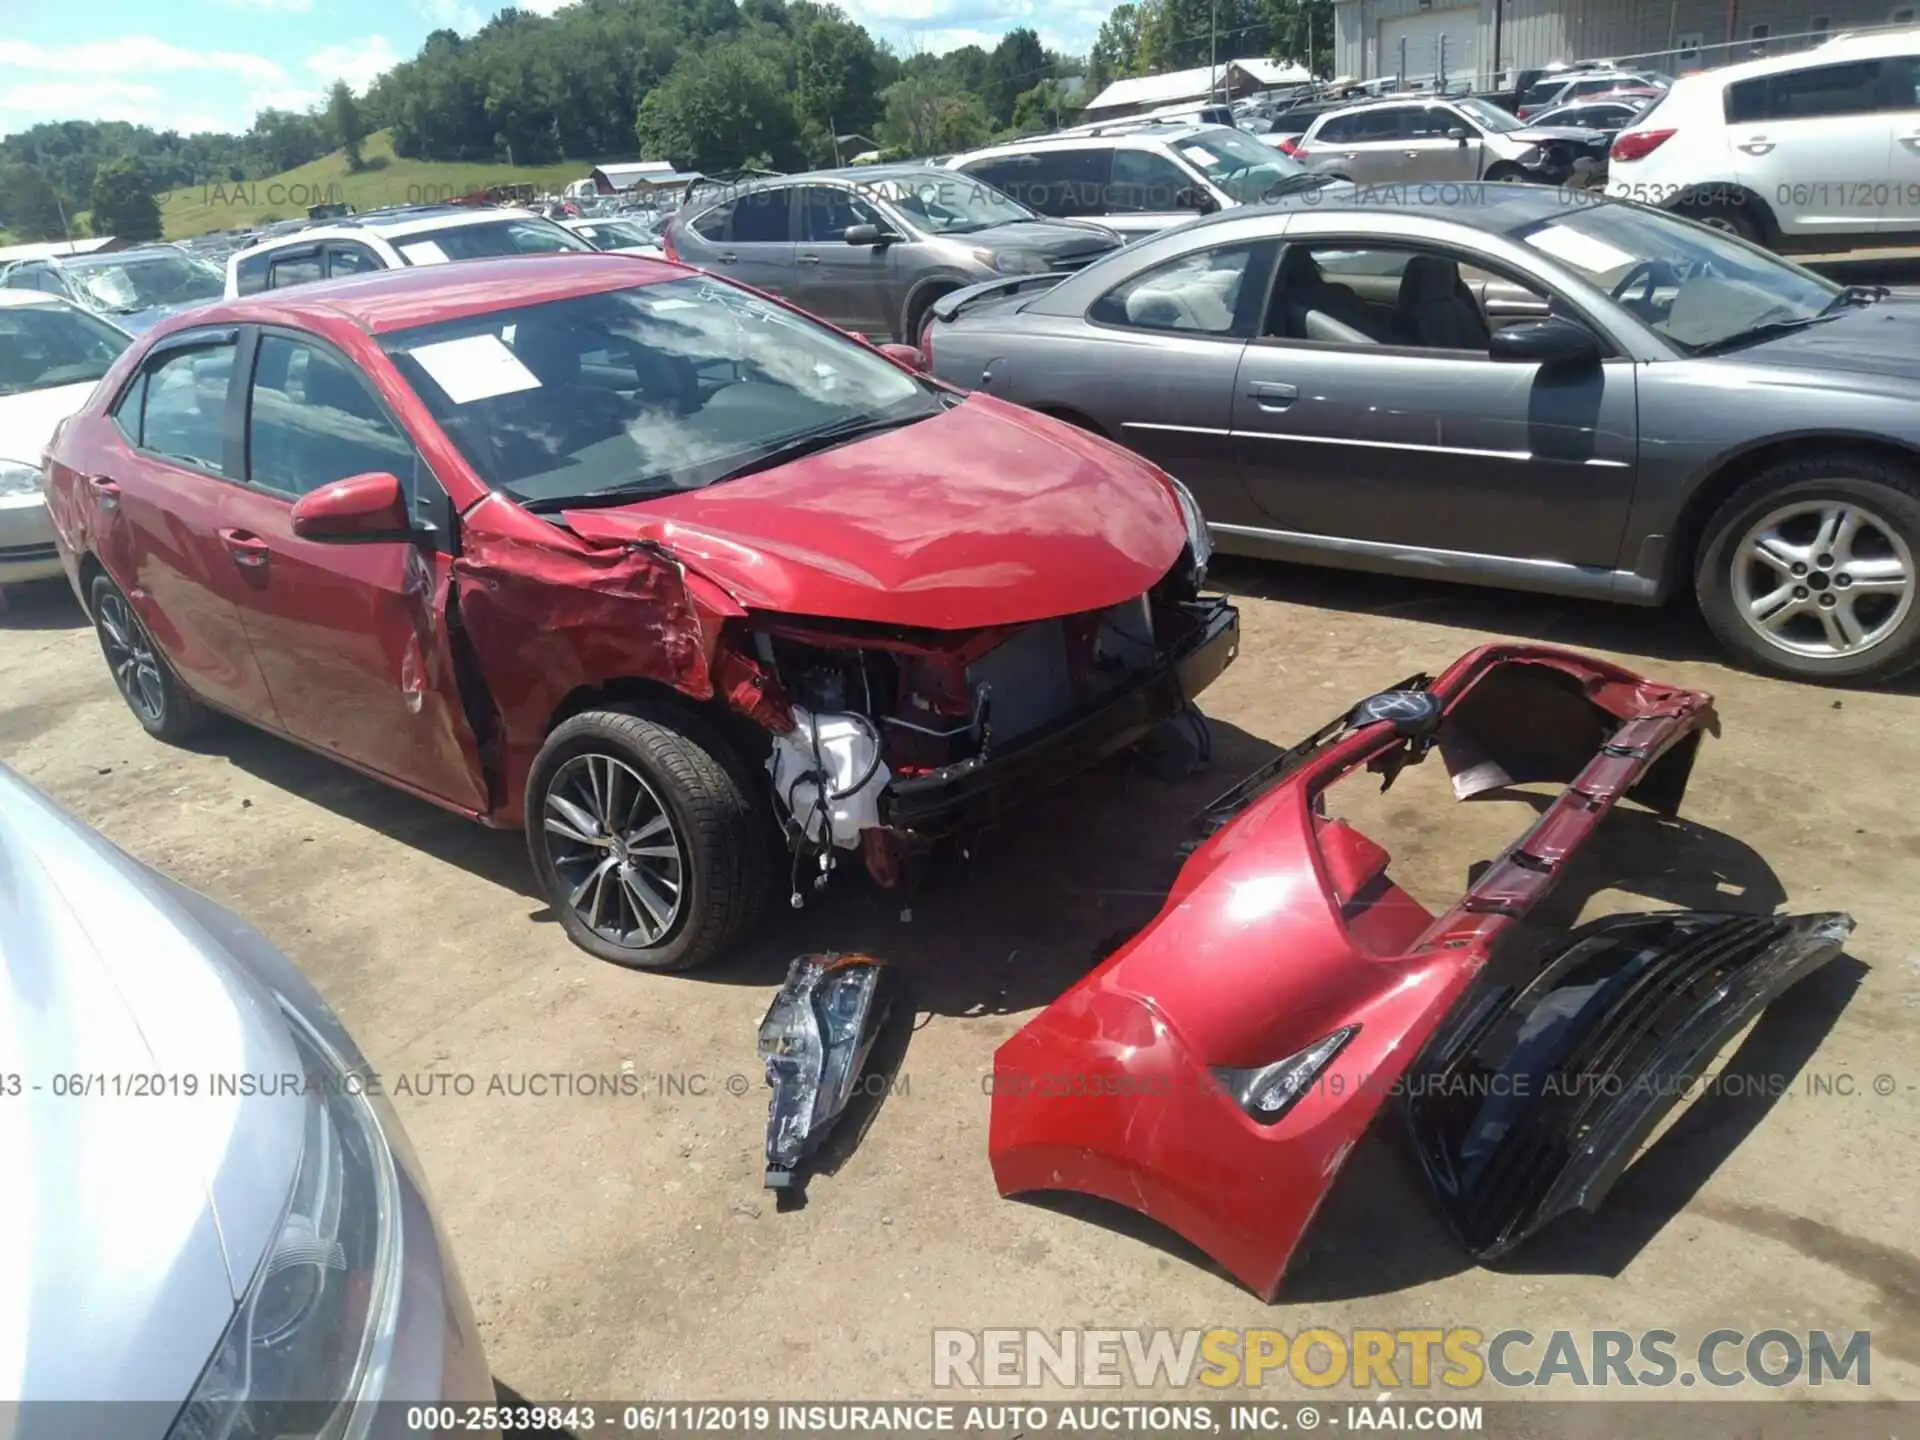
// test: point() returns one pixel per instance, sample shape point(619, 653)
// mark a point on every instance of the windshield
point(128, 283)
point(947, 204)
point(42, 346)
point(1698, 288)
point(525, 235)
point(644, 391)
point(611, 234)
point(1242, 167)
point(1487, 115)
point(1541, 91)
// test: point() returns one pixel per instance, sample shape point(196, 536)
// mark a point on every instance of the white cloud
point(937, 26)
point(291, 7)
point(145, 81)
point(358, 62)
point(451, 15)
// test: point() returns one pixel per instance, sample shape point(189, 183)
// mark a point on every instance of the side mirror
point(1458, 135)
point(358, 510)
point(907, 355)
point(868, 235)
point(1553, 341)
point(1194, 198)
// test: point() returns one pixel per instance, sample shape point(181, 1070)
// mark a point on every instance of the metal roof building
point(1230, 79)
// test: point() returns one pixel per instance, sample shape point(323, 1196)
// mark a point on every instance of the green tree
point(925, 117)
point(123, 202)
point(1044, 107)
point(719, 108)
point(348, 128)
point(1300, 30)
point(1116, 50)
point(835, 64)
point(1016, 65)
point(29, 206)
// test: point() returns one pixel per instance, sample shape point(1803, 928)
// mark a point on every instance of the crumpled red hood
point(984, 515)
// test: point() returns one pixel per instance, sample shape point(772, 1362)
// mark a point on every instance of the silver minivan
point(870, 249)
point(216, 1225)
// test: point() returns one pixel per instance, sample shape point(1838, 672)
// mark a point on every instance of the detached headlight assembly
point(1268, 1092)
point(312, 1338)
point(1199, 538)
point(18, 479)
point(816, 1037)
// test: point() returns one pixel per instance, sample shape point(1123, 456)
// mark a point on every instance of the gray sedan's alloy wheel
point(1825, 579)
point(1809, 569)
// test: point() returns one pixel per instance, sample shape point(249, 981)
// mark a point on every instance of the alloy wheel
point(1823, 579)
point(136, 669)
point(616, 850)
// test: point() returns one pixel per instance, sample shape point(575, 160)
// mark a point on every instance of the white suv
point(1797, 152)
point(389, 239)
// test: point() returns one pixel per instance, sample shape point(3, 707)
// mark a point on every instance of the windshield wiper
point(1289, 184)
point(1856, 295)
point(814, 441)
point(1754, 334)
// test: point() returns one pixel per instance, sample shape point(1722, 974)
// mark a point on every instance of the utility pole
point(1213, 49)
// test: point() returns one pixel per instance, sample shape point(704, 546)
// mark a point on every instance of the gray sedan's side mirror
point(868, 235)
point(1553, 341)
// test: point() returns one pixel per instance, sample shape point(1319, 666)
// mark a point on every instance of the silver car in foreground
point(214, 1229)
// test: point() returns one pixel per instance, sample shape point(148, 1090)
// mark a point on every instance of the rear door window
point(761, 218)
point(184, 417)
point(1146, 181)
point(1817, 92)
point(296, 267)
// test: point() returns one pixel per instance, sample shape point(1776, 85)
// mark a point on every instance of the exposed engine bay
point(877, 709)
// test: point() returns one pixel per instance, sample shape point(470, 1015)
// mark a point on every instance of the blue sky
point(210, 64)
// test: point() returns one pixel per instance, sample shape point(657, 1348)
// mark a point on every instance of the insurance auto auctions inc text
point(1419, 1359)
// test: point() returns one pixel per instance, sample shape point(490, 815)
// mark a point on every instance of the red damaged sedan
point(654, 566)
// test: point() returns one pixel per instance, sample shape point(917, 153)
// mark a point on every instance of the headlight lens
point(816, 1036)
point(18, 479)
point(1268, 1092)
point(316, 1328)
point(1199, 539)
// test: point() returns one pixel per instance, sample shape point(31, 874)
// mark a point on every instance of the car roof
point(397, 225)
point(10, 299)
point(382, 301)
point(1836, 51)
point(1121, 130)
point(1495, 206)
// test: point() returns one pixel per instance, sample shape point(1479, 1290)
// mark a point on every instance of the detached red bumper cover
point(1215, 1072)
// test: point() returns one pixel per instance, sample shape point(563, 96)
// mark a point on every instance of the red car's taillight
point(1634, 144)
point(1287, 147)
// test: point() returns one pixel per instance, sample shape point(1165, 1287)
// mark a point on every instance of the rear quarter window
point(250, 273)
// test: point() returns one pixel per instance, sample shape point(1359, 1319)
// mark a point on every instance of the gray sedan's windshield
point(942, 203)
point(647, 390)
point(1698, 288)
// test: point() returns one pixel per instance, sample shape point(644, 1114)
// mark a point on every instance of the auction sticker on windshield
point(478, 367)
point(1585, 252)
point(424, 252)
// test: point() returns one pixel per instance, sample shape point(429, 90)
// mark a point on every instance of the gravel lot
point(621, 1247)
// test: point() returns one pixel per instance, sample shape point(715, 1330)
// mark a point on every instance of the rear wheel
point(146, 682)
point(920, 316)
point(1506, 174)
point(1809, 570)
point(646, 840)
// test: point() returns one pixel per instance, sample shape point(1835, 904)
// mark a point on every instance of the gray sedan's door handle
point(1271, 396)
point(727, 259)
point(806, 259)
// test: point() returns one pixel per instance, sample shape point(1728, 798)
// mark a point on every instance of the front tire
point(140, 672)
point(1506, 175)
point(1808, 570)
point(644, 835)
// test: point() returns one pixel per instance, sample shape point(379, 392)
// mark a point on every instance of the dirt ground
point(622, 1247)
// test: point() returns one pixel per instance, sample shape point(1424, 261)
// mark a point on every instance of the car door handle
point(1912, 140)
point(726, 259)
point(249, 551)
point(806, 259)
point(106, 491)
point(1271, 396)
point(1758, 145)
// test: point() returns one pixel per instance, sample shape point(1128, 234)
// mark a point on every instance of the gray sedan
point(217, 1225)
point(1504, 385)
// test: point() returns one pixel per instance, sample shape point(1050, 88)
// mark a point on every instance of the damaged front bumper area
point(1215, 1072)
point(902, 740)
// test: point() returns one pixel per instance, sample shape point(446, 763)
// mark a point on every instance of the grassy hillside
point(385, 180)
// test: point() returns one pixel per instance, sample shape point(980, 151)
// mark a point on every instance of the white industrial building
point(1426, 39)
point(1229, 80)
